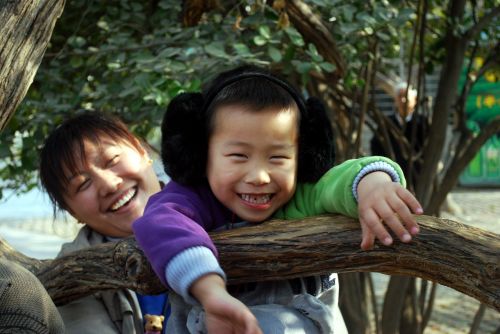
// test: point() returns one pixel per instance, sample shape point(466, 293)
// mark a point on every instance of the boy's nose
point(258, 176)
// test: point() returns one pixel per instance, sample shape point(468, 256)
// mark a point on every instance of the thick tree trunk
point(25, 30)
point(459, 256)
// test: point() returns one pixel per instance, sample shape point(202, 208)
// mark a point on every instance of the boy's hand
point(381, 201)
point(224, 314)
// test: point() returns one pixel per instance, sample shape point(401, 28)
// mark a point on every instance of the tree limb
point(25, 30)
point(313, 30)
point(452, 254)
point(482, 23)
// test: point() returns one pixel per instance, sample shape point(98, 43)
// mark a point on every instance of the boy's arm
point(336, 191)
point(376, 183)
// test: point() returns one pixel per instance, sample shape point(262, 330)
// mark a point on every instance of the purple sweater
point(186, 214)
point(173, 230)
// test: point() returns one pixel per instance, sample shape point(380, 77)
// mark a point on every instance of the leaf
point(327, 67)
point(265, 32)
point(348, 12)
point(295, 36)
point(76, 61)
point(274, 53)
point(259, 40)
point(302, 67)
point(216, 49)
point(241, 49)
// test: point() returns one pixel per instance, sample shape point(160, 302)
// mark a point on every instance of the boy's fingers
point(405, 216)
point(410, 200)
point(388, 215)
point(404, 212)
point(372, 222)
point(368, 238)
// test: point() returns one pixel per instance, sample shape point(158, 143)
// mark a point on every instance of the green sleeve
point(332, 193)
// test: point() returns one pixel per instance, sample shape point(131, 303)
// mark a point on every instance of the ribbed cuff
point(186, 267)
point(377, 166)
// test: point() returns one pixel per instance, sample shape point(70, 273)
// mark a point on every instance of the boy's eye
point(279, 157)
point(238, 156)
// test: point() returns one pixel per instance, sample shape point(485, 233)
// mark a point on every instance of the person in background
point(413, 128)
point(246, 149)
point(94, 168)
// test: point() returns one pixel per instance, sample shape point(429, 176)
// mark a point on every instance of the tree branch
point(467, 150)
point(456, 255)
point(25, 30)
point(482, 23)
point(313, 30)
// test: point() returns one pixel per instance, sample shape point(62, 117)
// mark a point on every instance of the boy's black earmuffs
point(185, 131)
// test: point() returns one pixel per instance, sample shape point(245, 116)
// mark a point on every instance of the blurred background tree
point(131, 57)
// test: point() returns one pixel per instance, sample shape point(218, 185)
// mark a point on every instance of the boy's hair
point(187, 123)
point(58, 157)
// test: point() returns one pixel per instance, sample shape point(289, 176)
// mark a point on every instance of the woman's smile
point(124, 199)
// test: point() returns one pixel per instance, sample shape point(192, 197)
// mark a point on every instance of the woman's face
point(111, 190)
point(252, 160)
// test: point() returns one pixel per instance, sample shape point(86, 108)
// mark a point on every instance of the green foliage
point(131, 57)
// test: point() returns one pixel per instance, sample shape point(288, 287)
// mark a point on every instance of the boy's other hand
point(224, 314)
point(382, 203)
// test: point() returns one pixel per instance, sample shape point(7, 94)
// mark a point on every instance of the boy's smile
point(252, 159)
point(257, 201)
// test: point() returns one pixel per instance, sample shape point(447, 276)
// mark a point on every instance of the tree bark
point(456, 255)
point(25, 30)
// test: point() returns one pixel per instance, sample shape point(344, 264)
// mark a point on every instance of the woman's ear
point(139, 145)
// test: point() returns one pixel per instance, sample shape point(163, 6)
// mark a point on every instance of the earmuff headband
point(292, 91)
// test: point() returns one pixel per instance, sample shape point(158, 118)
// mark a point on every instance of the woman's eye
point(84, 185)
point(113, 161)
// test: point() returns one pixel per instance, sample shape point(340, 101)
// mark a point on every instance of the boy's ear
point(184, 139)
point(316, 146)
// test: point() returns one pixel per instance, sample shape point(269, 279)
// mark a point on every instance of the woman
point(94, 168)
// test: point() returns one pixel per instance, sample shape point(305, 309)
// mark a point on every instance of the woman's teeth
point(124, 200)
point(256, 199)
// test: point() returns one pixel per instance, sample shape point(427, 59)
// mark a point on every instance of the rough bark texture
point(25, 30)
point(459, 256)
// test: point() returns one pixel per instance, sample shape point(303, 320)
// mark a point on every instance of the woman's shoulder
point(85, 237)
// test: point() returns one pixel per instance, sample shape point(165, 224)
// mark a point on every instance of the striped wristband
point(377, 166)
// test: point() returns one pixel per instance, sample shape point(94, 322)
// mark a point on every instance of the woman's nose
point(109, 182)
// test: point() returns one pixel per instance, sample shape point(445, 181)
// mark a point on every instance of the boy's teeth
point(256, 199)
point(127, 197)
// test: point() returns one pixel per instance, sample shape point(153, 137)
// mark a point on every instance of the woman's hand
point(224, 314)
point(381, 201)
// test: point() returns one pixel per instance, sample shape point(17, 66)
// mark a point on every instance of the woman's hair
point(187, 123)
point(65, 144)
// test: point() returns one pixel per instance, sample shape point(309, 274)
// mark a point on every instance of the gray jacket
point(106, 312)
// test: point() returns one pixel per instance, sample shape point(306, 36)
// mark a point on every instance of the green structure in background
point(482, 105)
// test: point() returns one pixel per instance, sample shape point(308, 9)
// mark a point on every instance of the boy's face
point(252, 160)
